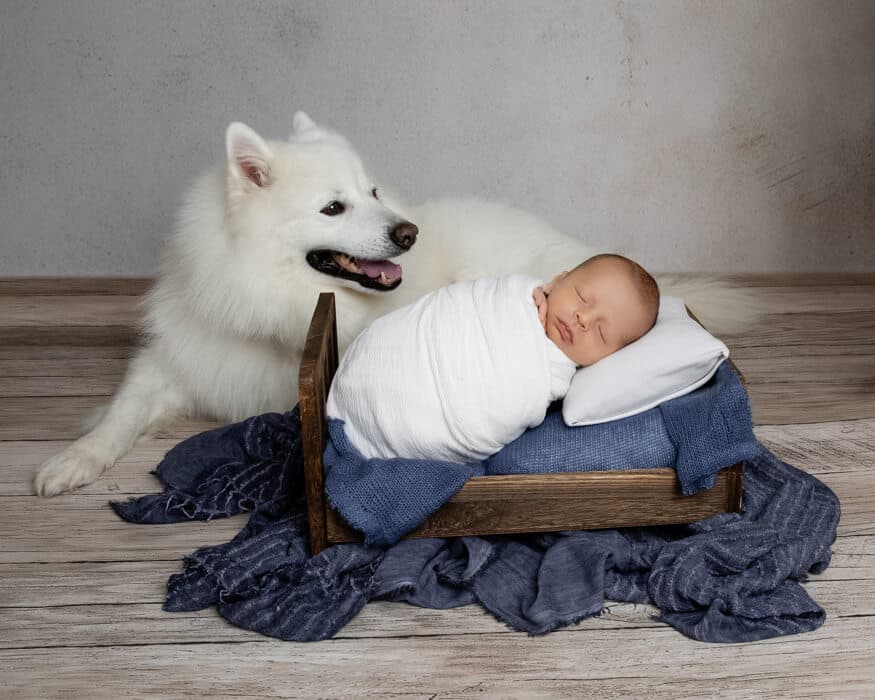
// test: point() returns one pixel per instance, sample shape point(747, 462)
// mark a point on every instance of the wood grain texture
point(74, 286)
point(111, 625)
point(117, 583)
point(80, 591)
point(77, 527)
point(81, 527)
point(62, 418)
point(489, 505)
point(19, 286)
point(652, 662)
point(319, 362)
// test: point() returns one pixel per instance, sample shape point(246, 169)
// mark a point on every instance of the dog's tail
point(723, 308)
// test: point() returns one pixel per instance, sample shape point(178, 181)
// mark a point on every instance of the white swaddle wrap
point(454, 376)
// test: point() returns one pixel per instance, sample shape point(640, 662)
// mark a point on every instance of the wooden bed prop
point(501, 504)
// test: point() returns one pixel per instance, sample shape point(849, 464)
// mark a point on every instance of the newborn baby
point(468, 368)
point(599, 307)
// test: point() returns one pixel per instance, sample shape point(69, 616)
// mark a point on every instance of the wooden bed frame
point(500, 504)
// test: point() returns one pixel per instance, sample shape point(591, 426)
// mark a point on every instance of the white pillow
point(674, 357)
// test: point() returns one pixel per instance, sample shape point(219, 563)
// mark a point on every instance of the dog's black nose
point(404, 234)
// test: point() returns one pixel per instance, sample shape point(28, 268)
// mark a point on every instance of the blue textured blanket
point(733, 577)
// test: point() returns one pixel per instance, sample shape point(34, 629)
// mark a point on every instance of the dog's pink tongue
point(373, 268)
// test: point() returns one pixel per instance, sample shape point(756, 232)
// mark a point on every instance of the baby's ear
point(552, 283)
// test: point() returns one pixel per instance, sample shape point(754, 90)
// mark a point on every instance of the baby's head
point(600, 306)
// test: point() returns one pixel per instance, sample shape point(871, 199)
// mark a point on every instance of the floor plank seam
point(125, 604)
point(92, 561)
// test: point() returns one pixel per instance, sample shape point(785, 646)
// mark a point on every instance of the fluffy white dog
point(259, 238)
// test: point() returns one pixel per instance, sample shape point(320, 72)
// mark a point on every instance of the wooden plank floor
point(81, 591)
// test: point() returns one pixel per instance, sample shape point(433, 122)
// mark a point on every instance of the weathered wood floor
point(81, 591)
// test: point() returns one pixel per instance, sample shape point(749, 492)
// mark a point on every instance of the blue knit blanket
point(730, 578)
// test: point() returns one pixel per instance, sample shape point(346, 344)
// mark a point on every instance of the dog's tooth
point(347, 262)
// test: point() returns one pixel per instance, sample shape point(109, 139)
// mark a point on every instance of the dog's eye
point(374, 193)
point(333, 208)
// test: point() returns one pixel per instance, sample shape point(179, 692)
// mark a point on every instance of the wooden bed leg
point(734, 490)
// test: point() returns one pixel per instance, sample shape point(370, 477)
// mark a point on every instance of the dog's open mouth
point(383, 275)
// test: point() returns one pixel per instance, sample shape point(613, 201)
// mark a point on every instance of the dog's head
point(310, 204)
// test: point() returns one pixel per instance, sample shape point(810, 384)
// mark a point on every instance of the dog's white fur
point(227, 318)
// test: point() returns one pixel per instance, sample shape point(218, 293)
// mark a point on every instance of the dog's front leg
point(146, 398)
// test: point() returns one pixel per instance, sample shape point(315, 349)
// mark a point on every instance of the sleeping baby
point(468, 368)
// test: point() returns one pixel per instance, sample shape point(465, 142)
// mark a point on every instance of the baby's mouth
point(565, 331)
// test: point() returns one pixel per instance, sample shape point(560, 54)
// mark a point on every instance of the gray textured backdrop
point(707, 136)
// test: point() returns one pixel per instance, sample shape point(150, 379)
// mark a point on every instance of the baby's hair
point(643, 280)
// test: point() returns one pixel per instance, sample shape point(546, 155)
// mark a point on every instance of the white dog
point(259, 238)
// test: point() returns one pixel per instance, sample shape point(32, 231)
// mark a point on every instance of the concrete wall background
point(710, 136)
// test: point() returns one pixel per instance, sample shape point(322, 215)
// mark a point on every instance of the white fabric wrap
point(454, 376)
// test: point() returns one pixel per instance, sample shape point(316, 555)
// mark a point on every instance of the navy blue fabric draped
point(734, 577)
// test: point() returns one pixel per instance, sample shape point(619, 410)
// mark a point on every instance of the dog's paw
point(67, 470)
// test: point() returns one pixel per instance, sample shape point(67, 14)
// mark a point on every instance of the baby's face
point(594, 311)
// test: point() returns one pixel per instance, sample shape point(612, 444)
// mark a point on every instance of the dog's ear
point(301, 124)
point(305, 130)
point(249, 158)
